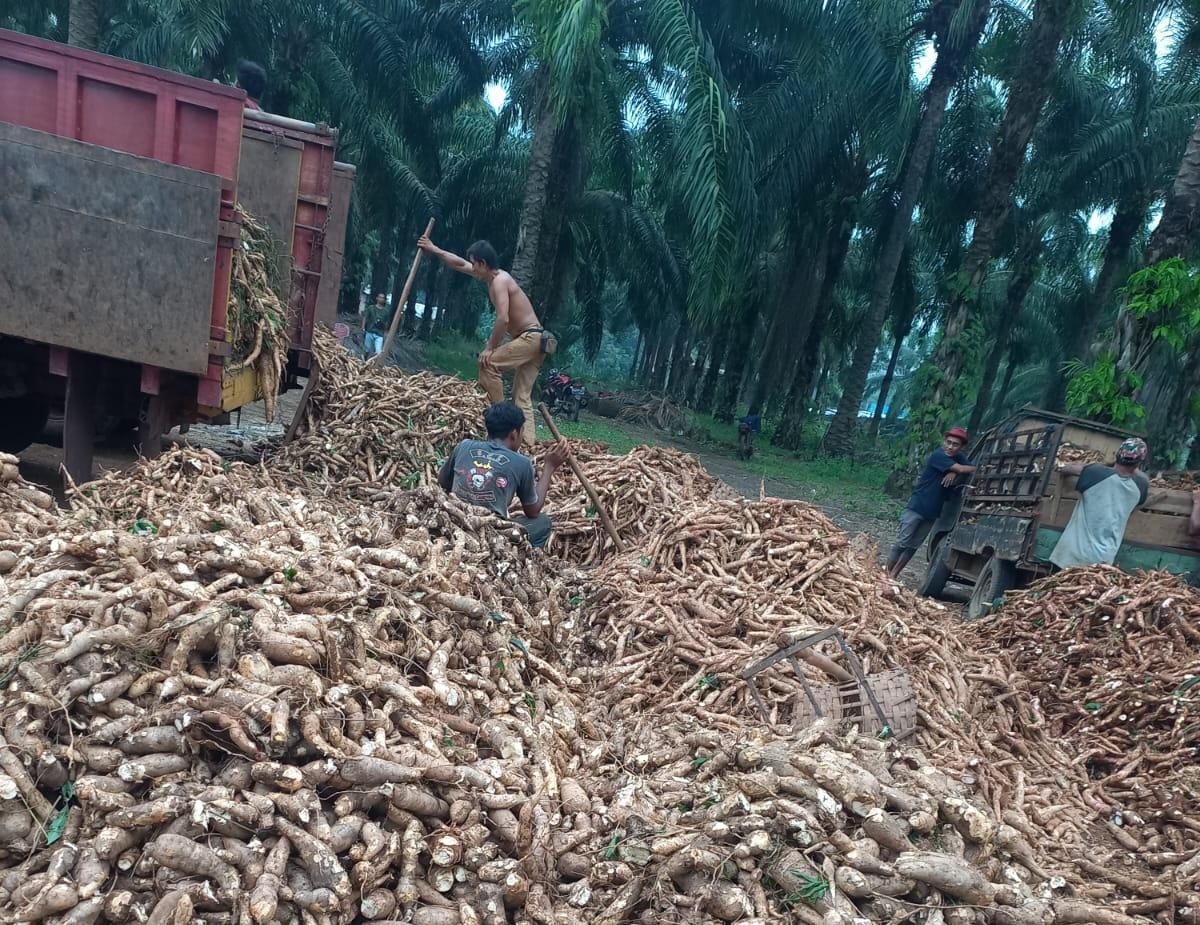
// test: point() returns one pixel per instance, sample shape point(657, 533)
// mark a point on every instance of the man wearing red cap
point(925, 506)
point(1109, 495)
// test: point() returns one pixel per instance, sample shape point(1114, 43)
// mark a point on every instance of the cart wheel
point(937, 572)
point(998, 576)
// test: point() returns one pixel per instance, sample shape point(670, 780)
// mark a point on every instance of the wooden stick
point(380, 358)
point(314, 372)
point(609, 527)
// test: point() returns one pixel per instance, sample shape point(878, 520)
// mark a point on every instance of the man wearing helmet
point(1109, 495)
point(941, 471)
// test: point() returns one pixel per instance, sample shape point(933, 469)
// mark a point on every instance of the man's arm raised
point(453, 261)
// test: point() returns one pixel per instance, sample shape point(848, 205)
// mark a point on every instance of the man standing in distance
point(253, 79)
point(376, 319)
point(941, 471)
point(529, 343)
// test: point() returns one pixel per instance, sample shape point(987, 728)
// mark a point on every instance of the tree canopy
point(835, 213)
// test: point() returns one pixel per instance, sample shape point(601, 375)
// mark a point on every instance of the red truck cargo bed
point(140, 110)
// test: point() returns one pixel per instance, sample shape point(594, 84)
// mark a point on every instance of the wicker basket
point(894, 691)
point(826, 696)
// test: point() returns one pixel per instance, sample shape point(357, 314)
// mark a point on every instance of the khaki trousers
point(523, 355)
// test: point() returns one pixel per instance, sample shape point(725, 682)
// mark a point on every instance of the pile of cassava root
point(672, 625)
point(255, 705)
point(231, 693)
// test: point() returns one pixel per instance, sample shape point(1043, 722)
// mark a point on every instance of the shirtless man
point(526, 349)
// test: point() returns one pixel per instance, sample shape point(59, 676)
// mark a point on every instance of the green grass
point(453, 355)
point(856, 486)
point(600, 430)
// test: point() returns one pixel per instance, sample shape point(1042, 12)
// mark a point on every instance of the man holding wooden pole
point(529, 343)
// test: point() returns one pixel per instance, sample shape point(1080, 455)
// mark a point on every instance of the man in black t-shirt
point(941, 471)
point(491, 473)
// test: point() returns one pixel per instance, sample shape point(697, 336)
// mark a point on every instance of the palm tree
point(957, 27)
point(573, 78)
point(83, 24)
point(1133, 117)
point(1028, 90)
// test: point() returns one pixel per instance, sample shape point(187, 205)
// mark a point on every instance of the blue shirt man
point(934, 487)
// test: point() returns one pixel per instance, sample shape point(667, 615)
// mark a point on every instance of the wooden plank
point(1151, 527)
point(330, 289)
point(105, 252)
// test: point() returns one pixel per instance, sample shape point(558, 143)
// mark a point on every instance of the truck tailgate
point(106, 252)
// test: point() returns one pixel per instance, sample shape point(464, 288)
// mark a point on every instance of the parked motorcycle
point(563, 395)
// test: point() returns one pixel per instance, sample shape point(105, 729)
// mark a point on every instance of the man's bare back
point(525, 350)
point(503, 290)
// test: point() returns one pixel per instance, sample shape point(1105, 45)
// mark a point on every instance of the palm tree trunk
point(885, 387)
point(790, 320)
point(83, 24)
point(790, 430)
point(1027, 94)
point(637, 350)
point(430, 284)
point(839, 439)
point(381, 266)
point(716, 357)
point(442, 300)
point(1126, 223)
point(1005, 386)
point(530, 229)
point(650, 359)
point(825, 277)
point(735, 363)
point(698, 368)
point(1025, 269)
point(681, 359)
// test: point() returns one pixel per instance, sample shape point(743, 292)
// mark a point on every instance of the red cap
point(957, 432)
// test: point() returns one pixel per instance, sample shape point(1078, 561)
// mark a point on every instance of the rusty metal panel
point(335, 244)
point(267, 188)
point(105, 252)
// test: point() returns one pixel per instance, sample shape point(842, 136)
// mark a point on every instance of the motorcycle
point(563, 395)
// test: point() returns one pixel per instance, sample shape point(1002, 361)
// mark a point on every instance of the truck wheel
point(937, 572)
point(22, 421)
point(998, 576)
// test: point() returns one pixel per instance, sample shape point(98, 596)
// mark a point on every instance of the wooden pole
point(609, 527)
point(398, 304)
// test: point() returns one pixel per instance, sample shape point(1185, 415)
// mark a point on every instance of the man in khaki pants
point(529, 342)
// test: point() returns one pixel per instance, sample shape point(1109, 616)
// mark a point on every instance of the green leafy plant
point(143, 527)
point(1100, 390)
point(813, 889)
point(1168, 295)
